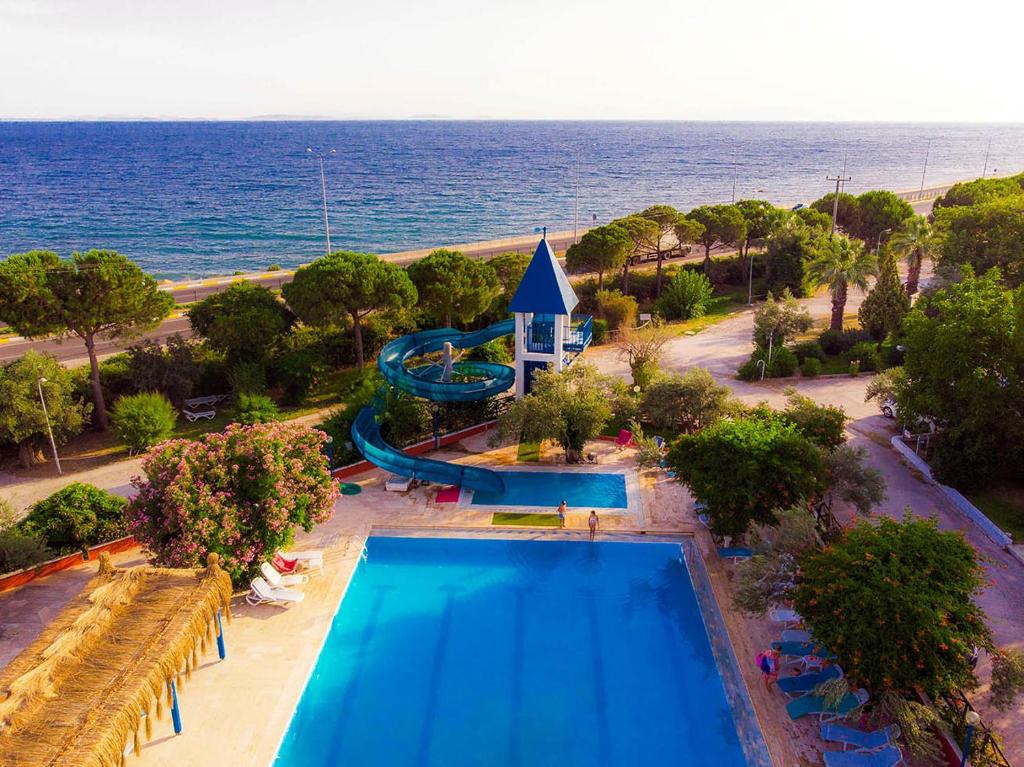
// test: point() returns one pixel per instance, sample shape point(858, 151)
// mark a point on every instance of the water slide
point(435, 383)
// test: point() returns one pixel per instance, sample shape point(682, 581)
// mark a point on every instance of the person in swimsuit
point(768, 663)
point(593, 523)
point(561, 514)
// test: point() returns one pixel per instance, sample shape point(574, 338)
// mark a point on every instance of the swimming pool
point(510, 653)
point(549, 488)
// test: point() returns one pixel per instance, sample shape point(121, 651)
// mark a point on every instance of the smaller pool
point(550, 488)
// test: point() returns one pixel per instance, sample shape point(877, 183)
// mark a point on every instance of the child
point(768, 663)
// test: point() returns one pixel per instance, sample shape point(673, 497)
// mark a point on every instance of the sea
point(189, 199)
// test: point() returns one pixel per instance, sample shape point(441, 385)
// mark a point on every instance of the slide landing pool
point(513, 653)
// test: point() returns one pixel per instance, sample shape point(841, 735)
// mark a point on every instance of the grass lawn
point(1004, 505)
point(528, 520)
point(719, 308)
point(528, 451)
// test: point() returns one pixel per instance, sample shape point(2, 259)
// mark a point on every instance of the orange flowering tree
point(895, 601)
point(240, 493)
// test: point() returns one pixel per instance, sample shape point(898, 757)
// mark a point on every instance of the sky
point(898, 60)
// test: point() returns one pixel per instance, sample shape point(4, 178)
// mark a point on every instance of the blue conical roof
point(544, 289)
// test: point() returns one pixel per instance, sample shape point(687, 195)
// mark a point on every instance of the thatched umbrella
point(80, 693)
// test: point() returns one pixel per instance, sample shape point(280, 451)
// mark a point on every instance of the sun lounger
point(785, 616)
point(814, 705)
point(659, 442)
point(263, 593)
point(808, 654)
point(887, 757)
point(859, 740)
point(194, 415)
point(796, 686)
point(397, 484)
point(276, 579)
point(796, 635)
point(625, 439)
point(307, 560)
point(211, 399)
point(735, 553)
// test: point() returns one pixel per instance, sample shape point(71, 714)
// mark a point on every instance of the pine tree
point(887, 304)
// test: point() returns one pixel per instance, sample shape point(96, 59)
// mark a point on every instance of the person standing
point(561, 513)
point(593, 523)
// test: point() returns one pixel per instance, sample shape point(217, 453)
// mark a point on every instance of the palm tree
point(842, 263)
point(914, 243)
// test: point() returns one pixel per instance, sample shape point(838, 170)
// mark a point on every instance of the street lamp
point(878, 242)
point(972, 718)
point(323, 186)
point(49, 429)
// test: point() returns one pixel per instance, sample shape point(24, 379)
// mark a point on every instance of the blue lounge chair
point(796, 635)
point(858, 739)
point(807, 654)
point(814, 705)
point(659, 442)
point(783, 615)
point(795, 686)
point(735, 553)
point(887, 757)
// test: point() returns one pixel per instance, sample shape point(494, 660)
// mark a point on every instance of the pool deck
point(236, 712)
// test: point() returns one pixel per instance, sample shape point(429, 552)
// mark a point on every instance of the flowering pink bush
point(240, 493)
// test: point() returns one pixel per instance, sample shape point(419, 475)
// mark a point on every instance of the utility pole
point(841, 179)
point(988, 149)
point(927, 151)
point(323, 186)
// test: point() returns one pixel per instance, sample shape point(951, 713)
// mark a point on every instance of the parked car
point(889, 407)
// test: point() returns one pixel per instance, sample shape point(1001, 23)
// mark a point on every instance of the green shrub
point(274, 268)
point(807, 349)
point(171, 370)
point(246, 377)
point(115, 378)
point(18, 551)
point(686, 296)
point(617, 310)
point(854, 368)
point(76, 517)
point(644, 373)
point(750, 370)
point(142, 420)
point(894, 356)
point(810, 367)
point(866, 353)
point(783, 363)
point(255, 408)
point(495, 350)
point(295, 370)
point(836, 341)
point(831, 342)
point(600, 328)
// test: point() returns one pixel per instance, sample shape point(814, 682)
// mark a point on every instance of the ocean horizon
point(195, 198)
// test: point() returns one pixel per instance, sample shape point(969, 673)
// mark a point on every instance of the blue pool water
point(500, 653)
point(578, 489)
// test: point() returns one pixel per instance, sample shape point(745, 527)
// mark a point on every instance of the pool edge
point(748, 728)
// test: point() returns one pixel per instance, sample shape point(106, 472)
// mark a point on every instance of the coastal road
point(71, 351)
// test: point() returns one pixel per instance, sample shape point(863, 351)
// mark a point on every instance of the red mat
point(448, 495)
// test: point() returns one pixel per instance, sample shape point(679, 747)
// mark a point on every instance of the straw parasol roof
point(80, 693)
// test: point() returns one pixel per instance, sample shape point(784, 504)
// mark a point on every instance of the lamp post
point(49, 429)
point(878, 242)
point(576, 210)
point(972, 718)
point(323, 186)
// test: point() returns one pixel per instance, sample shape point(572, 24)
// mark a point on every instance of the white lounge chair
point(398, 484)
point(276, 579)
point(263, 593)
point(306, 559)
point(194, 415)
point(789, 617)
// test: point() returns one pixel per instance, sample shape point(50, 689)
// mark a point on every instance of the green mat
point(527, 520)
point(528, 451)
point(350, 488)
